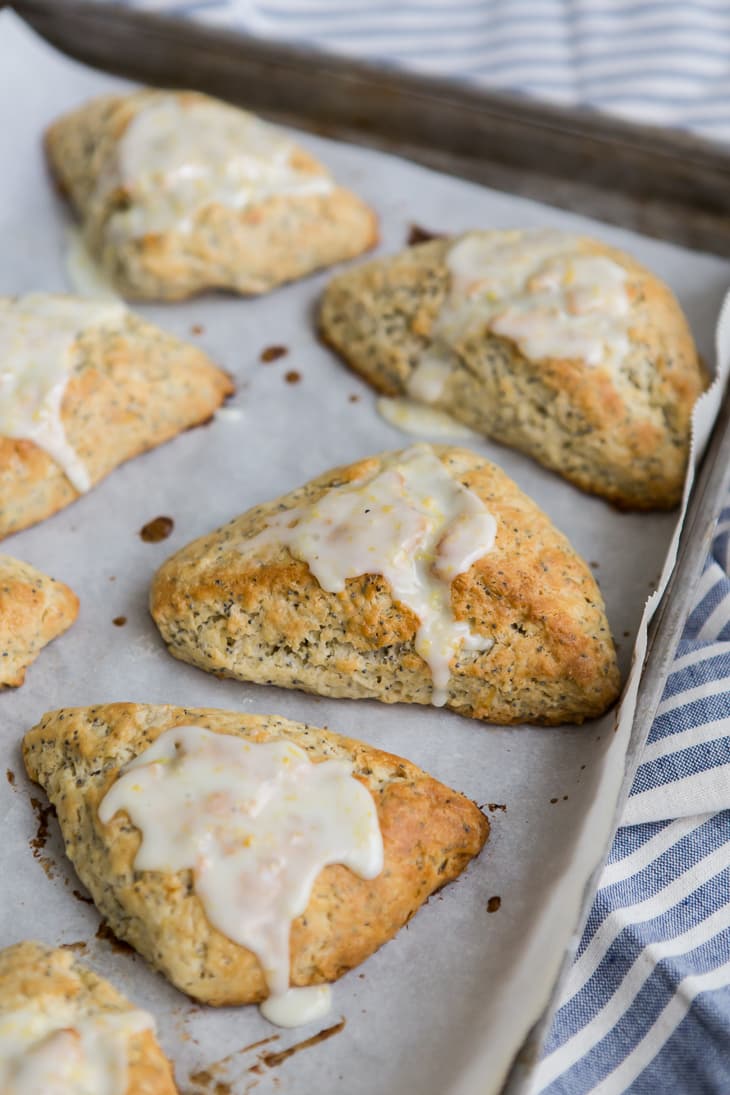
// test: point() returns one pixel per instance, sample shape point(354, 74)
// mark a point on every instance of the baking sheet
point(444, 1006)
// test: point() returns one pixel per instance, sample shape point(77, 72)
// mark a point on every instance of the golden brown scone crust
point(250, 250)
point(34, 972)
point(623, 437)
point(34, 609)
point(429, 834)
point(267, 619)
point(131, 388)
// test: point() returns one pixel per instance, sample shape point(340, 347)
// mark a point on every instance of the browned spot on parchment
point(416, 234)
point(272, 1060)
point(38, 842)
point(197, 329)
point(207, 1080)
point(493, 904)
point(10, 776)
point(118, 945)
point(157, 529)
point(42, 813)
point(119, 621)
point(261, 1042)
point(82, 897)
point(79, 946)
point(204, 1077)
point(292, 377)
point(493, 806)
point(273, 353)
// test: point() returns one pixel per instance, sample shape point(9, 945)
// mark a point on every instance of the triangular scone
point(66, 1025)
point(429, 834)
point(553, 344)
point(535, 645)
point(34, 610)
point(91, 385)
point(178, 192)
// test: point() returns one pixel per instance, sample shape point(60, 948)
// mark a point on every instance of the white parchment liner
point(444, 1006)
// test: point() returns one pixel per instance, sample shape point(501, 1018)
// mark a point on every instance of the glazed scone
point(420, 576)
point(63, 1028)
point(553, 344)
point(34, 610)
point(428, 835)
point(178, 192)
point(88, 385)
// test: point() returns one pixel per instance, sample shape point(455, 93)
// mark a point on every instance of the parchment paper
point(444, 1006)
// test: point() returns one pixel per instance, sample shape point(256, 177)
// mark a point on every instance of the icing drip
point(255, 823)
point(414, 524)
point(37, 335)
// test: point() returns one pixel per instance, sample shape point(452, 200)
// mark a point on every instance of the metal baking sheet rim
point(712, 478)
point(665, 184)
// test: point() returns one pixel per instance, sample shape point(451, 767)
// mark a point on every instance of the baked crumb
point(416, 234)
point(157, 529)
point(273, 353)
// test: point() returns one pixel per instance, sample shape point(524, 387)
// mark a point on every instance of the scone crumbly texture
point(248, 250)
point(429, 834)
point(266, 619)
point(33, 973)
point(130, 389)
point(34, 610)
point(620, 433)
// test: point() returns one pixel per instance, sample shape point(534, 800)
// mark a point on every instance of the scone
point(423, 576)
point(178, 192)
point(34, 610)
point(63, 1028)
point(553, 344)
point(241, 853)
point(86, 385)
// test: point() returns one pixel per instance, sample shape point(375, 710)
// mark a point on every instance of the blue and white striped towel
point(661, 61)
point(647, 1005)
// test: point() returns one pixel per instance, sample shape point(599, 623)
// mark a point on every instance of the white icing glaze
point(85, 275)
point(174, 160)
point(37, 334)
point(535, 287)
point(540, 290)
point(413, 524)
point(229, 414)
point(428, 380)
point(420, 420)
point(256, 823)
point(49, 1050)
point(298, 1006)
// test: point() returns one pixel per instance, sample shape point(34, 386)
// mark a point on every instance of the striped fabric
point(686, 763)
point(647, 1005)
point(661, 61)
